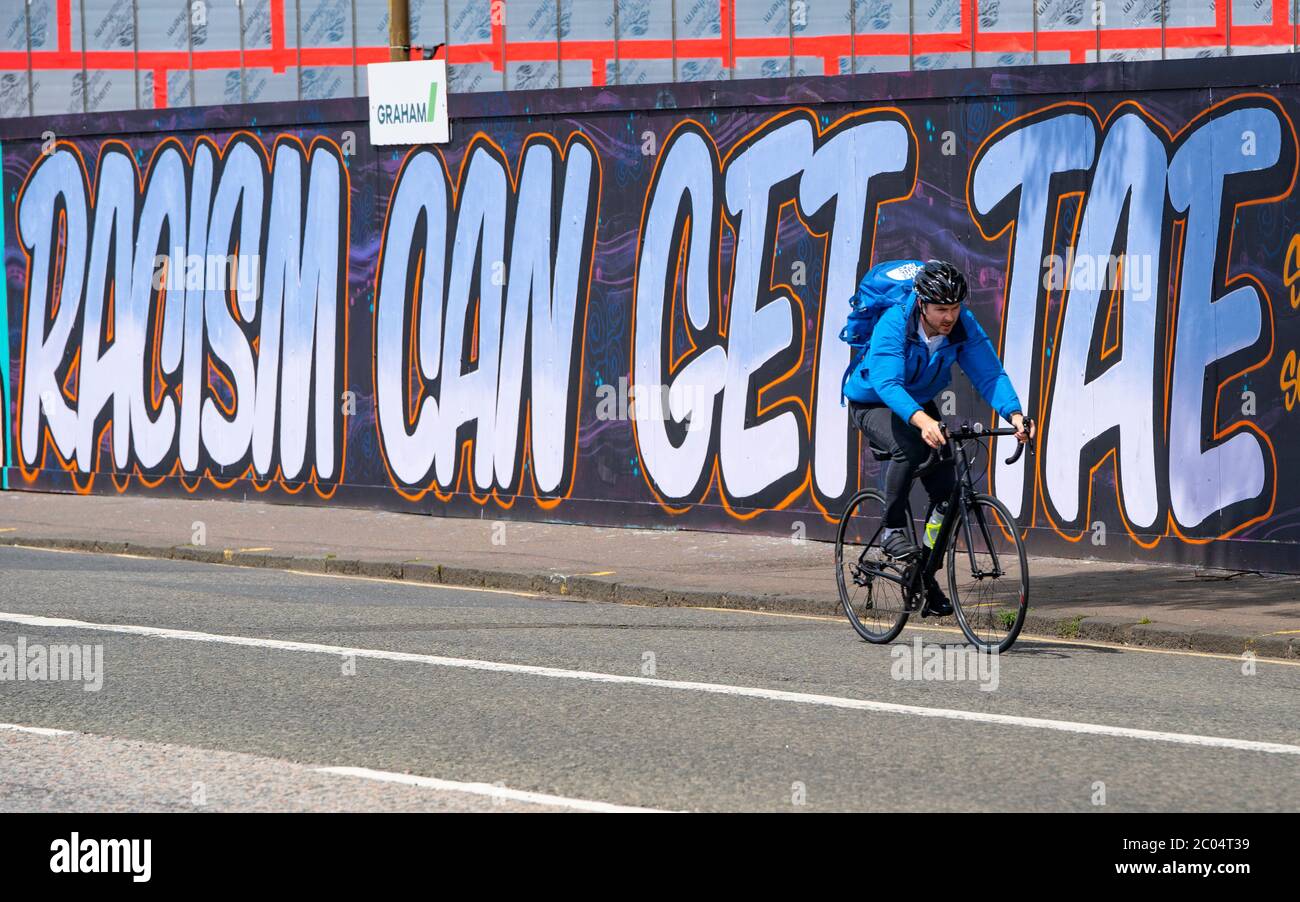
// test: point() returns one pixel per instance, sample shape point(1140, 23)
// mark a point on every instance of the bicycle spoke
point(987, 537)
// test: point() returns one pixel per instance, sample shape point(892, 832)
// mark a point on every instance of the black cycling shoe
point(939, 605)
point(900, 546)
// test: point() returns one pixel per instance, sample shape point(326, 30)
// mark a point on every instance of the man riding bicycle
point(891, 396)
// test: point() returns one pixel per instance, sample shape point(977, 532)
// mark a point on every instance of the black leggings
point(907, 451)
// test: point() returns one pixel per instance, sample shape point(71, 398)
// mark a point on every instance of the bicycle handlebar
point(1021, 446)
point(966, 434)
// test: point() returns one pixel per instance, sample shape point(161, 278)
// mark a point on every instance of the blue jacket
point(898, 368)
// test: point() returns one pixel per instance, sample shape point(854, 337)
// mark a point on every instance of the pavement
point(1146, 605)
point(224, 688)
point(66, 771)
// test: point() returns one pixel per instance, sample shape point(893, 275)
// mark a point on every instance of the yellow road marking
point(268, 548)
point(415, 583)
point(601, 573)
point(1031, 636)
point(823, 617)
point(373, 579)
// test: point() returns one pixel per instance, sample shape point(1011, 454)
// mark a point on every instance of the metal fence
point(59, 56)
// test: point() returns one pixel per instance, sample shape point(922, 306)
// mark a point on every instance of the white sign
point(408, 102)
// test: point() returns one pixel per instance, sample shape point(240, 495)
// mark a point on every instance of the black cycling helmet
point(940, 283)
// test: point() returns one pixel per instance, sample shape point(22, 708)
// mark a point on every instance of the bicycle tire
point(886, 590)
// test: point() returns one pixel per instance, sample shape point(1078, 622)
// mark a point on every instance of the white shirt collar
point(933, 343)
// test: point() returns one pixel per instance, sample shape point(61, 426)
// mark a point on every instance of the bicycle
point(988, 574)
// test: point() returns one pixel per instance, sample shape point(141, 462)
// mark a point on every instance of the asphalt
point(670, 708)
point(85, 773)
point(1145, 605)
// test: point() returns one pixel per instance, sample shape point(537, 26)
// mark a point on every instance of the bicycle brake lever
point(936, 454)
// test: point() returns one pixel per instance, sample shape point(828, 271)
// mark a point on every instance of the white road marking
point(492, 790)
point(482, 789)
point(828, 701)
point(574, 599)
point(39, 731)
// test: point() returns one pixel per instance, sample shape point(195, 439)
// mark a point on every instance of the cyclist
point(891, 396)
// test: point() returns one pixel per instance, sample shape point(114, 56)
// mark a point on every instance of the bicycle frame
point(962, 500)
point(989, 557)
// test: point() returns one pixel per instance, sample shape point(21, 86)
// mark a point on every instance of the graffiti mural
point(623, 308)
point(527, 309)
point(1177, 461)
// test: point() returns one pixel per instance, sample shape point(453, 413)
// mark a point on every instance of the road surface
point(234, 689)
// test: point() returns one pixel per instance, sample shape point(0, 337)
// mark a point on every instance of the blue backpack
point(885, 285)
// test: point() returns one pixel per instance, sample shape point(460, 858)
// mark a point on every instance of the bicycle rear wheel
point(872, 587)
point(988, 575)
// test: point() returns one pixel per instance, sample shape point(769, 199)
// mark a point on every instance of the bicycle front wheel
point(872, 587)
point(988, 575)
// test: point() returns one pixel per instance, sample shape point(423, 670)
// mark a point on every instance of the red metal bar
point(727, 46)
point(64, 14)
point(497, 56)
point(277, 34)
point(727, 33)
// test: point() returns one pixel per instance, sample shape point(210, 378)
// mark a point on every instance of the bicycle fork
point(962, 506)
point(969, 506)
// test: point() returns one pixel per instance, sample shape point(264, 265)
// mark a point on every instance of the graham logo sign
point(408, 102)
